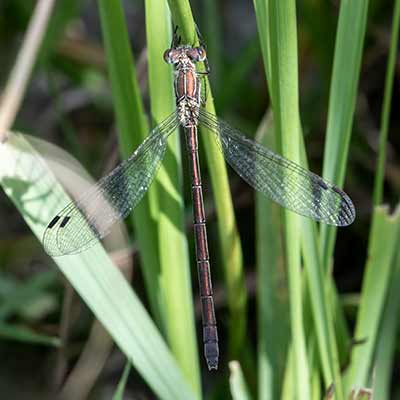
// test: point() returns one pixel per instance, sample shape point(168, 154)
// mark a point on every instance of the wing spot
point(64, 222)
point(337, 190)
point(53, 221)
point(323, 185)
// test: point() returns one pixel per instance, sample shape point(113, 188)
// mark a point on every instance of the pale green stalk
point(284, 78)
point(342, 100)
point(272, 315)
point(229, 241)
point(173, 249)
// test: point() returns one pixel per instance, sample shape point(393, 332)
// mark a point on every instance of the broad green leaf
point(32, 187)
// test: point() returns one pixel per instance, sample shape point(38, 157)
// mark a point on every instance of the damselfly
point(81, 223)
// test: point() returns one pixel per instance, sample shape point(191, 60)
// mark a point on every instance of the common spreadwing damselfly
point(83, 222)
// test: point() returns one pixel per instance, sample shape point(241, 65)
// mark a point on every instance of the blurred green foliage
point(73, 100)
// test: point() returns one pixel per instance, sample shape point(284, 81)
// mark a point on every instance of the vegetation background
point(299, 306)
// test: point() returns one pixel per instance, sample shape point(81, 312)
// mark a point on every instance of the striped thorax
point(187, 82)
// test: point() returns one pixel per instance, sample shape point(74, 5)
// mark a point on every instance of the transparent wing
point(76, 227)
point(280, 179)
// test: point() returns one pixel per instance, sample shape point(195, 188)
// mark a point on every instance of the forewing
point(280, 179)
point(77, 227)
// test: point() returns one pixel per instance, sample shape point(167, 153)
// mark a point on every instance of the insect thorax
point(187, 91)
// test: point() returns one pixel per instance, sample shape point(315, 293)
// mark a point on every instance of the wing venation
point(82, 222)
point(280, 179)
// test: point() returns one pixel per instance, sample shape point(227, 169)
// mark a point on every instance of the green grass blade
point(319, 289)
point(285, 101)
point(315, 385)
point(344, 83)
point(318, 317)
point(387, 98)
point(29, 183)
point(231, 252)
point(174, 257)
point(322, 318)
point(312, 260)
point(132, 129)
point(386, 340)
point(385, 347)
point(237, 383)
point(314, 369)
point(384, 239)
point(262, 16)
point(119, 393)
point(26, 335)
point(346, 70)
point(289, 384)
point(272, 315)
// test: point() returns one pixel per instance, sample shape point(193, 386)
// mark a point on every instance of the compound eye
point(201, 53)
point(168, 56)
point(197, 54)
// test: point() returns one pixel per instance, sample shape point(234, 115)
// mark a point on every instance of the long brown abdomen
point(210, 335)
